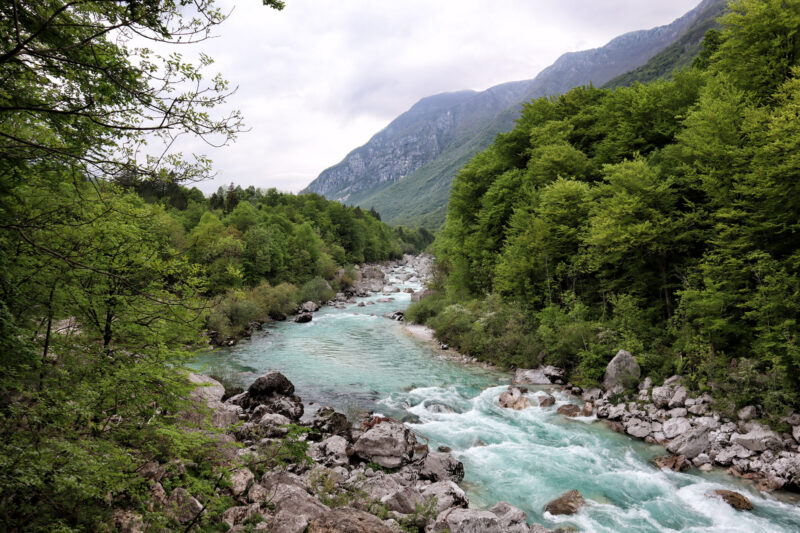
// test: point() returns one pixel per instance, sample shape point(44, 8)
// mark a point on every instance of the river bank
point(358, 362)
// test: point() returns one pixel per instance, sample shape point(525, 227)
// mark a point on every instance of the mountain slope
point(405, 170)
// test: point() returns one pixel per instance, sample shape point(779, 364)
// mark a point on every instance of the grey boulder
point(622, 372)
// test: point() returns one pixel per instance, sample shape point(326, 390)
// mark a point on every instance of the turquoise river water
point(357, 361)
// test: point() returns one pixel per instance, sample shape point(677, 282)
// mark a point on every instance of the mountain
point(404, 171)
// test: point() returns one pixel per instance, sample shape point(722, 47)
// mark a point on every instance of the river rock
point(592, 395)
point(439, 466)
point(236, 515)
point(678, 398)
point(675, 426)
point(546, 400)
point(569, 409)
point(292, 502)
point(758, 440)
point(690, 444)
point(302, 318)
point(328, 420)
point(405, 500)
point(309, 307)
point(727, 455)
point(348, 520)
point(661, 396)
point(447, 495)
point(622, 372)
point(748, 412)
point(210, 392)
point(510, 518)
point(588, 409)
point(735, 500)
point(638, 427)
point(567, 503)
point(390, 444)
point(513, 399)
point(467, 521)
point(677, 463)
point(331, 451)
point(544, 375)
point(241, 479)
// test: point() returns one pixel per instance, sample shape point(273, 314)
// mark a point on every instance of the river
point(356, 361)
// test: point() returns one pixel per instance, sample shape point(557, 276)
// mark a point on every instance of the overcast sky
point(319, 78)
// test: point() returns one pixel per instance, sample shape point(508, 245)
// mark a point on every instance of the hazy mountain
point(405, 170)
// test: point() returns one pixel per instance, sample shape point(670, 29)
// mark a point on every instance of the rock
point(567, 503)
point(332, 451)
point(690, 444)
point(677, 412)
point(621, 373)
point(291, 501)
point(678, 398)
point(442, 467)
point(796, 433)
point(182, 506)
point(591, 395)
point(748, 412)
point(390, 444)
point(538, 528)
point(662, 396)
point(438, 407)
point(675, 426)
point(758, 440)
point(544, 375)
point(588, 409)
point(637, 427)
point(127, 522)
point(569, 409)
point(302, 318)
point(236, 515)
point(308, 307)
point(271, 425)
point(348, 520)
point(447, 495)
point(467, 521)
point(513, 399)
point(547, 400)
point(510, 518)
point(403, 501)
point(328, 420)
point(735, 500)
point(241, 479)
point(727, 455)
point(677, 463)
point(210, 392)
point(444, 449)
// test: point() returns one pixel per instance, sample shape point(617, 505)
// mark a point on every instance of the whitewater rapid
point(358, 362)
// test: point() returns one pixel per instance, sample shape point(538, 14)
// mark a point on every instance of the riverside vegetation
point(660, 218)
point(111, 268)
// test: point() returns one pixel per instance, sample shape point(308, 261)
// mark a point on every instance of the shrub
point(317, 290)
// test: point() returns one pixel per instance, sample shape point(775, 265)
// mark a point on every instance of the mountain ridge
point(404, 170)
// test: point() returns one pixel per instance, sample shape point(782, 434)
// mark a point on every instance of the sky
point(321, 77)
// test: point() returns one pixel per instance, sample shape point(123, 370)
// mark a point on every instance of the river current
point(357, 361)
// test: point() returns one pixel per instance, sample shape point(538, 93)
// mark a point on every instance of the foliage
point(660, 218)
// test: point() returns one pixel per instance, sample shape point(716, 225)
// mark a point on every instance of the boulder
point(309, 307)
point(677, 463)
point(544, 375)
point(690, 444)
point(547, 400)
point(727, 455)
point(236, 515)
point(390, 444)
point(467, 521)
point(637, 427)
point(591, 395)
point(675, 427)
point(328, 420)
point(796, 433)
point(758, 440)
point(439, 466)
point(182, 506)
point(331, 451)
point(622, 372)
point(241, 479)
point(569, 409)
point(510, 518)
point(513, 399)
point(348, 520)
point(567, 503)
point(447, 495)
point(735, 500)
point(661, 396)
point(588, 409)
point(210, 392)
point(291, 501)
point(404, 501)
point(302, 318)
point(678, 398)
point(748, 412)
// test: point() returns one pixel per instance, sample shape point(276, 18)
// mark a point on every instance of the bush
point(425, 309)
point(317, 290)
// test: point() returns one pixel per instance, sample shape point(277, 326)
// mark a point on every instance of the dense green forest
point(661, 218)
point(112, 268)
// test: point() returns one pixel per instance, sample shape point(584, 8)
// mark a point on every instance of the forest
point(113, 267)
point(660, 218)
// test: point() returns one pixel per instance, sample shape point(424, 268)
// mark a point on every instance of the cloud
point(321, 77)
